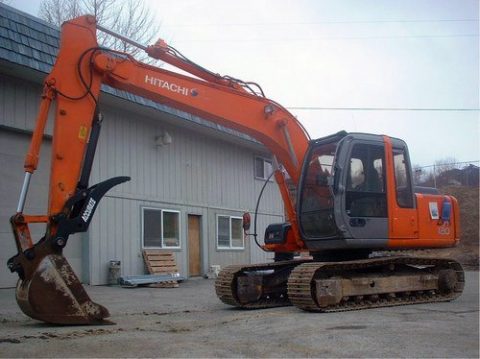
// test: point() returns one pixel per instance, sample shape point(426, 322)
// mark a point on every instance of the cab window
point(316, 203)
point(403, 187)
point(365, 187)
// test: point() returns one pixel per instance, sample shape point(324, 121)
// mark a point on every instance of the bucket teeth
point(54, 294)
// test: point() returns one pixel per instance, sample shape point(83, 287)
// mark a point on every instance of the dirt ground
point(189, 321)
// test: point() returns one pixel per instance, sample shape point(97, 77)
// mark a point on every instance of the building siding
point(194, 168)
point(195, 174)
point(20, 101)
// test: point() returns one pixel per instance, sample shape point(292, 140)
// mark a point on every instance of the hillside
point(467, 251)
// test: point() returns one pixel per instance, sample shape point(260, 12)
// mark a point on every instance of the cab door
point(363, 195)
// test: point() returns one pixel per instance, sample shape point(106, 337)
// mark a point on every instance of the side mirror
point(246, 221)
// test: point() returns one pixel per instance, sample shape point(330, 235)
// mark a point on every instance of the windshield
point(316, 199)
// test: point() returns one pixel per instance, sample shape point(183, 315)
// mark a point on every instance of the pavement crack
point(157, 313)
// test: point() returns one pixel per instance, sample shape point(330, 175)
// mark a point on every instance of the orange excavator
point(347, 194)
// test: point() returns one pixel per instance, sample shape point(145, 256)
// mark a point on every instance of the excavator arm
point(48, 288)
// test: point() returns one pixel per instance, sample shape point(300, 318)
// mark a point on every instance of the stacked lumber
point(161, 262)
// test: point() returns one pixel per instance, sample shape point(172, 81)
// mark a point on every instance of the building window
point(263, 168)
point(161, 228)
point(230, 232)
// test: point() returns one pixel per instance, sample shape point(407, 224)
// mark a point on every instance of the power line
point(447, 164)
point(283, 40)
point(313, 108)
point(322, 22)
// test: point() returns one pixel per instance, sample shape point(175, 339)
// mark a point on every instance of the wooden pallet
point(159, 261)
point(169, 284)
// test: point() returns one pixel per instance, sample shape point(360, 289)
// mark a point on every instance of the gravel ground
point(190, 322)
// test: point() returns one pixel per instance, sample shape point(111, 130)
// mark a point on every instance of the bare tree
point(58, 11)
point(136, 23)
point(446, 164)
point(418, 174)
point(130, 18)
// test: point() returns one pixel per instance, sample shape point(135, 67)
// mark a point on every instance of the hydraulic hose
point(255, 234)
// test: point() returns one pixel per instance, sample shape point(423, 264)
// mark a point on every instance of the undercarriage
point(340, 286)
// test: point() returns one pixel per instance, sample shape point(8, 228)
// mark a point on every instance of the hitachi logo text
point(88, 211)
point(166, 85)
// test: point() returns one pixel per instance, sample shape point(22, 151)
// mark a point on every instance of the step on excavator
point(347, 194)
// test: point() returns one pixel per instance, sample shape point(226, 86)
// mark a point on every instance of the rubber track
point(226, 284)
point(301, 283)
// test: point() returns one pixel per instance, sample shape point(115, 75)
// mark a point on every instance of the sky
point(408, 69)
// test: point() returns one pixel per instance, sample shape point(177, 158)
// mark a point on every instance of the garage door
point(13, 147)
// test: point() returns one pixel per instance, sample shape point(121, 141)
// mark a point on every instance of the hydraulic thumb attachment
point(48, 289)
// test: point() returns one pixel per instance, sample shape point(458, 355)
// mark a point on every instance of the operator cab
point(342, 198)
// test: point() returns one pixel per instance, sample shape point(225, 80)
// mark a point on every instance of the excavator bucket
point(53, 293)
point(48, 289)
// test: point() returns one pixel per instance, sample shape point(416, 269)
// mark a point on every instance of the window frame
point(162, 211)
point(230, 247)
point(265, 175)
